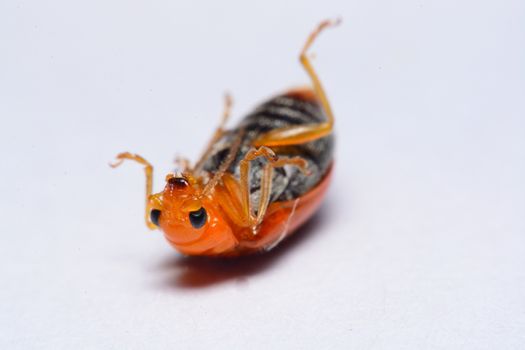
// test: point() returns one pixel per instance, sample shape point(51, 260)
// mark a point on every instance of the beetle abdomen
point(281, 111)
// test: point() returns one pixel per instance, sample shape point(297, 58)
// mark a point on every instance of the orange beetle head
point(192, 222)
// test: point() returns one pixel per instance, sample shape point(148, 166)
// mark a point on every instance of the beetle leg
point(148, 170)
point(229, 196)
point(228, 102)
point(294, 135)
point(266, 181)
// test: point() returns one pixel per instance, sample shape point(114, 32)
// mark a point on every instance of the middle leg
point(273, 161)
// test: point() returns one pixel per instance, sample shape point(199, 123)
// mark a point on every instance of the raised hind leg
point(293, 135)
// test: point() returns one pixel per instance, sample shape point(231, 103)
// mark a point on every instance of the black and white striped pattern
point(288, 182)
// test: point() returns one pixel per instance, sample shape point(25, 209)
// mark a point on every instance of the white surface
point(421, 243)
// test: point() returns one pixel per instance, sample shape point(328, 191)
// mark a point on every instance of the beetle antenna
point(148, 170)
point(228, 103)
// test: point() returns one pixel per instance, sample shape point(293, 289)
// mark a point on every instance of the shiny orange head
point(191, 220)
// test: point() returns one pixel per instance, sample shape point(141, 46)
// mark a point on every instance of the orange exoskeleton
point(256, 183)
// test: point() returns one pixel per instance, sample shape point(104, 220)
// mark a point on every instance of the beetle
point(255, 184)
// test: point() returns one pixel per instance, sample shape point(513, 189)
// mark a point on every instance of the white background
point(420, 243)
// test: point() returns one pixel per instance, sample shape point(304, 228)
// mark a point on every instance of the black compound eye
point(198, 218)
point(155, 216)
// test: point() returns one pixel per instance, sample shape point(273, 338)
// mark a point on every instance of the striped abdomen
point(281, 111)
